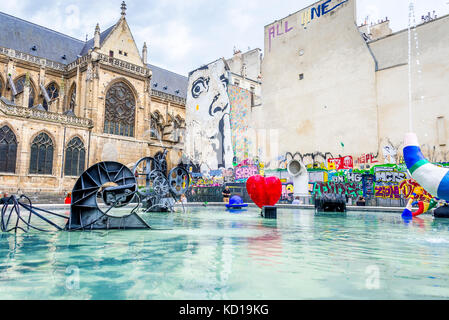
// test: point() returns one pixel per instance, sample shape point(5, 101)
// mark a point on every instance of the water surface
point(209, 253)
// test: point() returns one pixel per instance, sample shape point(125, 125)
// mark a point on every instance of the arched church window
point(75, 156)
point(41, 158)
point(53, 93)
point(120, 111)
point(20, 85)
point(8, 150)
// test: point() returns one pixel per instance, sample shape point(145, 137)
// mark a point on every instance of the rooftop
point(39, 41)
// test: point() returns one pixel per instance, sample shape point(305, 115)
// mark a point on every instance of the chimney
point(97, 37)
point(144, 53)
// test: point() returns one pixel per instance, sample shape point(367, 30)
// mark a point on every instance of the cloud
point(183, 35)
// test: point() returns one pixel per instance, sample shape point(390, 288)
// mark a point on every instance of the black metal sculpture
point(117, 186)
point(157, 191)
point(101, 188)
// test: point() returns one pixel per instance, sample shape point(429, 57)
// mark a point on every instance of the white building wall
point(336, 101)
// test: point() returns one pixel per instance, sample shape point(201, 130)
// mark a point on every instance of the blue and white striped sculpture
point(433, 179)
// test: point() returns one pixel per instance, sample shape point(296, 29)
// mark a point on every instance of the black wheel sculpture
point(159, 192)
point(179, 181)
point(116, 185)
point(141, 171)
point(161, 160)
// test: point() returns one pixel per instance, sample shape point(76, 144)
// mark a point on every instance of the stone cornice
point(166, 96)
point(28, 113)
point(82, 62)
point(14, 54)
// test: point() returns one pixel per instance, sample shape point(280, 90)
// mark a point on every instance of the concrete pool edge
point(220, 204)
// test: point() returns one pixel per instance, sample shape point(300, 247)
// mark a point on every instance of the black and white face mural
point(208, 132)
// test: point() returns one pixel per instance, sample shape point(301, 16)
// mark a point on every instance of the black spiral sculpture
point(116, 185)
point(101, 188)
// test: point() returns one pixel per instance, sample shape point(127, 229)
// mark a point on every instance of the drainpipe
point(88, 149)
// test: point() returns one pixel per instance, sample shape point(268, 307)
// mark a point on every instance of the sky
point(183, 35)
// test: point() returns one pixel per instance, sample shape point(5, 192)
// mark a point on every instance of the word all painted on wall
point(278, 30)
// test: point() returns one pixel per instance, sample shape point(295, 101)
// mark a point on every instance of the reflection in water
point(215, 255)
point(267, 248)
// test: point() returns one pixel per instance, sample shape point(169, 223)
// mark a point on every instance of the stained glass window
point(41, 158)
point(8, 150)
point(75, 157)
point(120, 111)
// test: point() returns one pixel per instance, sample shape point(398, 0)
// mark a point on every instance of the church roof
point(90, 44)
point(168, 82)
point(22, 36)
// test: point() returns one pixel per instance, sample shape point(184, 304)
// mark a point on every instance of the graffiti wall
point(218, 119)
point(240, 102)
point(208, 125)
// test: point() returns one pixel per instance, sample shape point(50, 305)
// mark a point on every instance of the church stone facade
point(67, 104)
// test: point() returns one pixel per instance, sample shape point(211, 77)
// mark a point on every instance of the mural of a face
point(208, 134)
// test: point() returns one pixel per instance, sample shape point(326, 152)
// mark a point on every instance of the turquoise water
point(209, 253)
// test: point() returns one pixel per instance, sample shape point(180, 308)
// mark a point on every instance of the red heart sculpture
point(264, 191)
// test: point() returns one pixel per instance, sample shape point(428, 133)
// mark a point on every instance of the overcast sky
point(185, 34)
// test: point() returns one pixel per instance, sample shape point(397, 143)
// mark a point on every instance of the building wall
point(336, 100)
point(93, 78)
point(25, 132)
point(430, 96)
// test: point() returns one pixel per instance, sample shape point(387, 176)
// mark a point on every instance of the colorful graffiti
point(407, 188)
point(320, 10)
point(389, 175)
point(244, 173)
point(277, 30)
point(287, 191)
point(240, 101)
point(351, 189)
point(218, 119)
point(314, 160)
point(367, 159)
point(387, 192)
point(343, 163)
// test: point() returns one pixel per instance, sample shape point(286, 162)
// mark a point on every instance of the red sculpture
point(264, 191)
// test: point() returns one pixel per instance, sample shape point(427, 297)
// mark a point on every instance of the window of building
point(8, 150)
point(75, 157)
point(53, 93)
point(237, 82)
point(41, 157)
point(252, 88)
point(301, 76)
point(120, 52)
point(20, 85)
point(126, 54)
point(120, 111)
point(111, 54)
